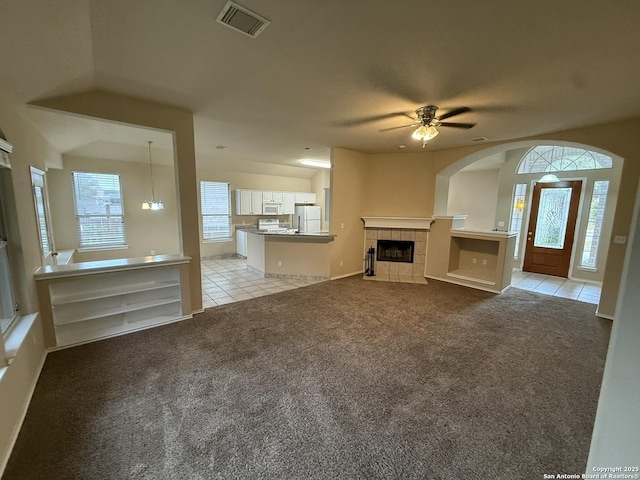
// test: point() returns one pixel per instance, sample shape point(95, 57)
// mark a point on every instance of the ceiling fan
point(427, 122)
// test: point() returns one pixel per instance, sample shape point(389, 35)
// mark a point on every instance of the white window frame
point(208, 210)
point(43, 215)
point(595, 239)
point(117, 241)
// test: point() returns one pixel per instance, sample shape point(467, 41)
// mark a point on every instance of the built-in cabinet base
point(86, 301)
point(474, 258)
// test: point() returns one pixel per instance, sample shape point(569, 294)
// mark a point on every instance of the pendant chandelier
point(152, 204)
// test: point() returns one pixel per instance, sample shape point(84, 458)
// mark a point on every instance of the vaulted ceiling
point(330, 73)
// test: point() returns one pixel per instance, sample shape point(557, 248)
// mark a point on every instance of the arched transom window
point(561, 159)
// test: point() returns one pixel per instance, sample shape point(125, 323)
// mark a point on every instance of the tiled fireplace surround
point(394, 228)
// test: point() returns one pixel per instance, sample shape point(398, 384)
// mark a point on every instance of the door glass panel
point(553, 214)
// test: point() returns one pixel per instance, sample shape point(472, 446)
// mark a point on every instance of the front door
point(552, 224)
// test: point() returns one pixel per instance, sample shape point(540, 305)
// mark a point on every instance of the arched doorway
point(515, 189)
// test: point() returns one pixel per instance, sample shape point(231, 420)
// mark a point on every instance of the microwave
point(272, 209)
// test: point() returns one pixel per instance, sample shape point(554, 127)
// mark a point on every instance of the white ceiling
point(322, 74)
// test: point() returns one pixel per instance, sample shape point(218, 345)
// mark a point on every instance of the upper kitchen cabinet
point(288, 203)
point(248, 202)
point(305, 198)
point(272, 197)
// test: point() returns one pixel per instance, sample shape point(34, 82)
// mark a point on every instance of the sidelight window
point(594, 224)
point(517, 213)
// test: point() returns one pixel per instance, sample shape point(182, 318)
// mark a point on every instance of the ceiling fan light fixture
point(420, 133)
point(425, 133)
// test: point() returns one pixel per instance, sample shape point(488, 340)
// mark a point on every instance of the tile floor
point(556, 286)
point(226, 280)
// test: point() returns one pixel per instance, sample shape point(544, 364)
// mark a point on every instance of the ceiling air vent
point(242, 20)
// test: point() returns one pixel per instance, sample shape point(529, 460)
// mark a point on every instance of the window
point(594, 224)
point(42, 211)
point(562, 159)
point(517, 211)
point(7, 301)
point(99, 215)
point(8, 313)
point(215, 205)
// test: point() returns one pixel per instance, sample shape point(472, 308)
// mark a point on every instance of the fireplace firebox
point(395, 251)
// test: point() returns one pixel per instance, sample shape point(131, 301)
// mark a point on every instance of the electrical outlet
point(341, 263)
point(474, 260)
point(501, 224)
point(342, 225)
point(620, 239)
point(279, 263)
point(153, 252)
point(484, 261)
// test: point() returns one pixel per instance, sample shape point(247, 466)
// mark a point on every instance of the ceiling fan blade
point(453, 113)
point(457, 125)
point(396, 128)
point(373, 118)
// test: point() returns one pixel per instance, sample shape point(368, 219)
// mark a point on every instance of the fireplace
point(395, 251)
point(400, 245)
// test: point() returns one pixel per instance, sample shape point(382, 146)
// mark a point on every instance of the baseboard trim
point(23, 414)
point(604, 315)
point(360, 272)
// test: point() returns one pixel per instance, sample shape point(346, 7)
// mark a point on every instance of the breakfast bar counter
point(290, 255)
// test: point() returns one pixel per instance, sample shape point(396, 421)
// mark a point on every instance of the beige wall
point(348, 193)
point(18, 379)
point(399, 185)
point(145, 230)
point(475, 194)
point(251, 181)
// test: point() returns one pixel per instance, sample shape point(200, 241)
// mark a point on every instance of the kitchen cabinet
point(248, 202)
point(305, 198)
point(288, 203)
point(272, 197)
point(241, 243)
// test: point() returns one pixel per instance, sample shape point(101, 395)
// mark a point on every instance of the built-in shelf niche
point(473, 259)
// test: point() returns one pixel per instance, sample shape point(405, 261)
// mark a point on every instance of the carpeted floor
point(346, 379)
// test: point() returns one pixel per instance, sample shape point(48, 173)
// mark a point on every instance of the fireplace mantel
point(398, 222)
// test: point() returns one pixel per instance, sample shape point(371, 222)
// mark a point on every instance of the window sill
point(587, 269)
point(218, 240)
point(18, 334)
point(101, 249)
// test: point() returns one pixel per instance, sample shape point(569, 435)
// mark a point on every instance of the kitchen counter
point(290, 255)
point(314, 237)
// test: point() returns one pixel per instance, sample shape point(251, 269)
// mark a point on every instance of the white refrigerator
point(307, 219)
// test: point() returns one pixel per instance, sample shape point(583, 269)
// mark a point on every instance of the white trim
point(604, 315)
point(347, 275)
point(18, 426)
point(121, 333)
point(398, 222)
